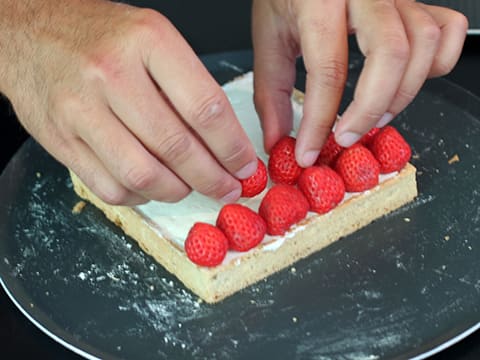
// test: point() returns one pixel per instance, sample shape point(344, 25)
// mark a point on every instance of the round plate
point(407, 285)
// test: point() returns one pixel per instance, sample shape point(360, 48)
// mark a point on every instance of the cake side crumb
point(78, 207)
point(455, 158)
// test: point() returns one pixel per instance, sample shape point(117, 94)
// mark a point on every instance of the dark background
point(209, 26)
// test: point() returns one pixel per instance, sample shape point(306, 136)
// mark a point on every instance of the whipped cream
point(173, 221)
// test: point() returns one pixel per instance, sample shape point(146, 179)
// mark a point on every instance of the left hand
point(404, 43)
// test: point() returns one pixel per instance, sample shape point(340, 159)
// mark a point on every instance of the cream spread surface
point(173, 221)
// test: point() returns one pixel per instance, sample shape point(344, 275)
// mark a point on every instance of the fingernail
point(310, 157)
point(384, 120)
point(247, 171)
point(347, 138)
point(231, 196)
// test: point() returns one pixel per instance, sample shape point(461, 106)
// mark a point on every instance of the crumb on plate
point(77, 209)
point(454, 159)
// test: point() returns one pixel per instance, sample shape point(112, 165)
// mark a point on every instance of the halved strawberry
point(256, 183)
point(330, 151)
point(323, 188)
point(358, 168)
point(390, 149)
point(283, 206)
point(206, 245)
point(282, 166)
point(243, 227)
point(367, 139)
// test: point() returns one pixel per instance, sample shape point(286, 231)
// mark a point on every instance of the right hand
point(404, 43)
point(116, 94)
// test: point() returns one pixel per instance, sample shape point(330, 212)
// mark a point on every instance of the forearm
point(20, 24)
point(30, 31)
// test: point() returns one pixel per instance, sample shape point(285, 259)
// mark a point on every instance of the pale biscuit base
point(314, 233)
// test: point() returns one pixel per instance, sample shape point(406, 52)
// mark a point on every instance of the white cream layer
point(173, 221)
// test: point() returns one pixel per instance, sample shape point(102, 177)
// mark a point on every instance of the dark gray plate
point(406, 285)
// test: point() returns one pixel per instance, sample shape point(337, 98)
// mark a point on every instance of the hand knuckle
point(151, 27)
point(405, 95)
point(62, 104)
point(65, 99)
point(443, 66)
point(117, 196)
point(175, 194)
point(331, 74)
point(106, 61)
point(101, 66)
point(382, 7)
point(431, 33)
point(64, 110)
point(175, 147)
point(172, 189)
point(149, 20)
point(369, 116)
point(460, 20)
point(139, 179)
point(320, 128)
point(237, 152)
point(311, 23)
point(207, 112)
point(396, 47)
point(215, 189)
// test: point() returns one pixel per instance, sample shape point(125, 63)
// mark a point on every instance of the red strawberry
point(322, 187)
point(206, 245)
point(390, 149)
point(282, 166)
point(330, 151)
point(369, 136)
point(358, 168)
point(283, 206)
point(256, 183)
point(243, 227)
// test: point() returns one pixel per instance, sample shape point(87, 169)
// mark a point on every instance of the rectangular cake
point(161, 228)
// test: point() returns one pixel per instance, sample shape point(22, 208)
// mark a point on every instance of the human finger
point(126, 158)
point(198, 99)
point(453, 26)
point(424, 38)
point(76, 155)
point(62, 141)
point(274, 74)
point(323, 38)
point(88, 167)
point(382, 39)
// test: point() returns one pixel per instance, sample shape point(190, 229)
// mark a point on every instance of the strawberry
point(282, 206)
point(358, 168)
point(243, 227)
point(330, 151)
point(369, 136)
point(256, 183)
point(282, 166)
point(206, 245)
point(322, 187)
point(390, 149)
